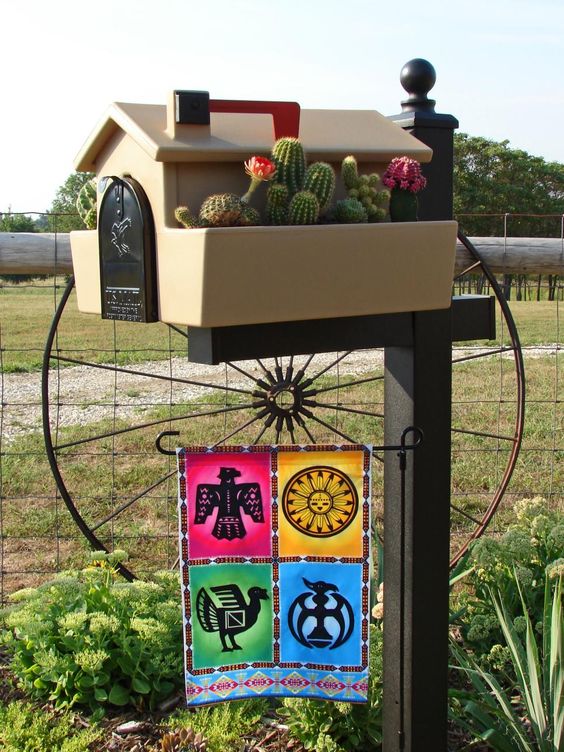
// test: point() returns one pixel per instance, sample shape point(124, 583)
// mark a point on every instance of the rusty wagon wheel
point(130, 383)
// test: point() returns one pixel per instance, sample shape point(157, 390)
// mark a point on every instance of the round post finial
point(418, 78)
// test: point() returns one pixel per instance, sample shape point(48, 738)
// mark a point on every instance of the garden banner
point(275, 564)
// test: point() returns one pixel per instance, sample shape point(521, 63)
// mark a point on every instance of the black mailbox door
point(126, 236)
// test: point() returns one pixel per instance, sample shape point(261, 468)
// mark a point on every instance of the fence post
point(416, 539)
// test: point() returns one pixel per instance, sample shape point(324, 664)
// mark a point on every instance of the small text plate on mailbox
point(127, 252)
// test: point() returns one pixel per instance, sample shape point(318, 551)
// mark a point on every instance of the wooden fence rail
point(42, 253)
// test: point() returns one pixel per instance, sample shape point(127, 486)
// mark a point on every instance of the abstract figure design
point(321, 608)
point(233, 616)
point(320, 501)
point(230, 499)
point(118, 231)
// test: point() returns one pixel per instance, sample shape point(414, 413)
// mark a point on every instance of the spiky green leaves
point(219, 210)
point(349, 211)
point(364, 189)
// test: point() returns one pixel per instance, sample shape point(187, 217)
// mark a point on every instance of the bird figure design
point(118, 231)
point(322, 604)
point(230, 499)
point(233, 616)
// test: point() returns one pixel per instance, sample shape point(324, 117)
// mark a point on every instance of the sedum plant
point(515, 562)
point(528, 717)
point(88, 638)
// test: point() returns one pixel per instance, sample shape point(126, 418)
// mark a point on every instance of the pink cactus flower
point(259, 169)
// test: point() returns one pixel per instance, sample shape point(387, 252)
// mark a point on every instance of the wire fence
point(135, 381)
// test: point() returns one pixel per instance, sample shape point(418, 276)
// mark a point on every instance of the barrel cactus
point(320, 180)
point(86, 204)
point(303, 209)
point(221, 210)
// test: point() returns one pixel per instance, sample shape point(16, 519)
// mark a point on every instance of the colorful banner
point(275, 562)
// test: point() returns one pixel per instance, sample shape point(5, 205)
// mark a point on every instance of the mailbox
point(162, 157)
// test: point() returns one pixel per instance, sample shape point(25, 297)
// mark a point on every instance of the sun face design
point(320, 501)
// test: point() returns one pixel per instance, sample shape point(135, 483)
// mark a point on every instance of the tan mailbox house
point(247, 275)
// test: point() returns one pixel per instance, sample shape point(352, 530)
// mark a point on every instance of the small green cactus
point(289, 158)
point(249, 217)
point(86, 204)
point(349, 211)
point(185, 217)
point(320, 180)
point(303, 209)
point(277, 201)
point(349, 172)
point(363, 189)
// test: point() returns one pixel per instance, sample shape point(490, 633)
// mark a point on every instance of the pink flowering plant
point(404, 174)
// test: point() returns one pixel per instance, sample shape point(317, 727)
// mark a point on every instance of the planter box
point(250, 275)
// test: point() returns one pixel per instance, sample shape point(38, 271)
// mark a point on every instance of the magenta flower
point(404, 173)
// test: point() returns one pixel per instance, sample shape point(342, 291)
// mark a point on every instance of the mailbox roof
point(325, 134)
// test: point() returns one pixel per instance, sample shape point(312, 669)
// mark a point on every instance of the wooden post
point(417, 532)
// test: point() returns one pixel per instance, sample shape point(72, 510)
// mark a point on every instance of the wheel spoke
point(484, 434)
point(252, 378)
point(328, 368)
point(160, 421)
point(266, 372)
point(182, 332)
point(241, 428)
point(332, 428)
point(483, 354)
point(125, 506)
point(465, 514)
point(342, 408)
point(313, 392)
point(468, 269)
point(162, 377)
point(301, 423)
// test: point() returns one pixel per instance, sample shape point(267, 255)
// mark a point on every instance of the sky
point(499, 65)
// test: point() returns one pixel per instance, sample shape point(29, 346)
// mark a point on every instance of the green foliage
point(303, 209)
point(86, 204)
point(528, 717)
point(490, 177)
point(223, 725)
point(64, 203)
point(24, 728)
point(531, 545)
point(342, 726)
point(88, 638)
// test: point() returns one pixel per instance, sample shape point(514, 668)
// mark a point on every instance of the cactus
point(221, 210)
point(289, 158)
point(183, 740)
point(277, 204)
point(320, 180)
point(349, 211)
point(349, 172)
point(86, 204)
point(185, 217)
point(303, 209)
point(249, 217)
point(363, 189)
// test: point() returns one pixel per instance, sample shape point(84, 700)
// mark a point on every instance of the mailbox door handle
point(285, 115)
